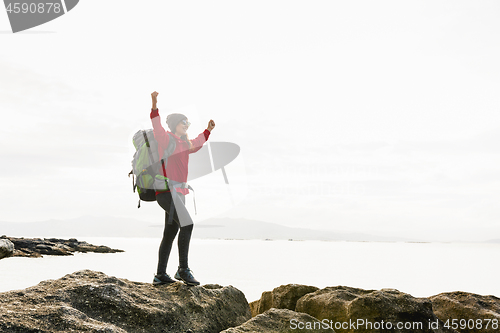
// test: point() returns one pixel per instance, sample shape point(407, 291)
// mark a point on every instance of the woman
point(176, 169)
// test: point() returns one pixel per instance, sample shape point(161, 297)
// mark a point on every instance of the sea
point(254, 266)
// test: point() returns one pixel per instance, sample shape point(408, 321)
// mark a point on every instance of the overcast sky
point(376, 117)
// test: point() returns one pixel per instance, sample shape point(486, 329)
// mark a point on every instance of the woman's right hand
point(153, 97)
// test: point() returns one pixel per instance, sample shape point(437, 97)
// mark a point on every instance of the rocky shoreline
point(90, 301)
point(37, 247)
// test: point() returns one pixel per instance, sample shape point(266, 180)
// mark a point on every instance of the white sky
point(377, 117)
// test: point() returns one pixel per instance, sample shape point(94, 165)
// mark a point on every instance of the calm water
point(254, 266)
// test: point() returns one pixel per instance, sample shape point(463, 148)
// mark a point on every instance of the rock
point(282, 297)
point(465, 306)
point(6, 248)
point(35, 247)
point(266, 302)
point(89, 301)
point(254, 307)
point(286, 296)
point(281, 321)
point(346, 304)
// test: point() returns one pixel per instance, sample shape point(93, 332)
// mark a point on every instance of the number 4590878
point(23, 7)
point(471, 323)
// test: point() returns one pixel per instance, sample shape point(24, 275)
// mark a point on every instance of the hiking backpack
point(146, 165)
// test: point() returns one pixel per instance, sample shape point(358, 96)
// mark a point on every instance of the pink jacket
point(177, 164)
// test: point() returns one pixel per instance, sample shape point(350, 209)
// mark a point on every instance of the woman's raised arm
point(160, 134)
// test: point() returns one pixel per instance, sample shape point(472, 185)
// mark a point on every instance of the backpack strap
point(133, 183)
point(194, 198)
point(171, 145)
point(149, 146)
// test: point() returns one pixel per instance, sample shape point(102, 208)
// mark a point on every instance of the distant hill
point(223, 228)
point(252, 229)
point(493, 240)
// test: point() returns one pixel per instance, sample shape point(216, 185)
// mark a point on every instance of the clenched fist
point(153, 97)
point(211, 125)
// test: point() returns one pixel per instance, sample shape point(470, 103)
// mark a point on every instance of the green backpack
point(146, 165)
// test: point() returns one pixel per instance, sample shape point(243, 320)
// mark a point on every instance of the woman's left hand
point(211, 125)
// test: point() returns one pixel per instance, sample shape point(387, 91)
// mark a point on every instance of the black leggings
point(164, 200)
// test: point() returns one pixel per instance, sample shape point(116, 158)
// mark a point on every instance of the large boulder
point(371, 310)
point(467, 311)
point(89, 301)
point(254, 307)
point(281, 321)
point(286, 296)
point(266, 302)
point(6, 248)
point(282, 297)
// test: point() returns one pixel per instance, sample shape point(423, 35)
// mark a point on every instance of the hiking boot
point(186, 275)
point(162, 279)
